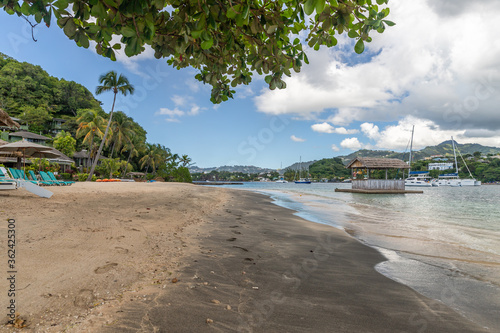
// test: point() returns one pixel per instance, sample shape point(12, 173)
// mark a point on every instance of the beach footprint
point(121, 250)
point(84, 299)
point(105, 268)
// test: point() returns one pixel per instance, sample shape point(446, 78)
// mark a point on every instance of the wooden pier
point(377, 186)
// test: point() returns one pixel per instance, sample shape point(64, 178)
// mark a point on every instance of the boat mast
point(411, 147)
point(455, 155)
point(300, 167)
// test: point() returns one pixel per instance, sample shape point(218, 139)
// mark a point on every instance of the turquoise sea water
point(444, 243)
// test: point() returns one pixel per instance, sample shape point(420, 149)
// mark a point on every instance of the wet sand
point(211, 260)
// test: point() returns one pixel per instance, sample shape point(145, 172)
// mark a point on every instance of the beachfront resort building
point(440, 166)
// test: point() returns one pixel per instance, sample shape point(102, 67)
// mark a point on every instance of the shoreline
point(473, 295)
point(248, 265)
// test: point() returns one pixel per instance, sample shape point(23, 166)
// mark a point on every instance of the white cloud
point(169, 112)
point(351, 143)
point(173, 115)
point(427, 133)
point(297, 139)
point(335, 148)
point(195, 109)
point(370, 130)
point(445, 72)
point(327, 128)
point(178, 100)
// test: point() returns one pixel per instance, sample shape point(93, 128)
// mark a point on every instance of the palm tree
point(185, 160)
point(118, 84)
point(91, 124)
point(123, 131)
point(150, 158)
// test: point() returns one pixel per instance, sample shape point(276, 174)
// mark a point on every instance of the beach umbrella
point(28, 149)
point(6, 120)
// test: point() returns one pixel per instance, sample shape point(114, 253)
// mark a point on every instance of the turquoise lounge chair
point(6, 182)
point(53, 177)
point(46, 178)
point(19, 174)
point(40, 182)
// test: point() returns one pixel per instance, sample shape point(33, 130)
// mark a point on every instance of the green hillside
point(444, 148)
point(485, 169)
point(29, 93)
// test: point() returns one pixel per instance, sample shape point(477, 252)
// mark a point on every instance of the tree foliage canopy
point(24, 86)
point(226, 40)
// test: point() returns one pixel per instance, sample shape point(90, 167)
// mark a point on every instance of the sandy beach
point(166, 257)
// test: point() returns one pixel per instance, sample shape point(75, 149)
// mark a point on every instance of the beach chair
point(20, 175)
point(46, 178)
point(6, 182)
point(40, 182)
point(53, 177)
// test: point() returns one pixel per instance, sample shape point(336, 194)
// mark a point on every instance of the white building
point(440, 166)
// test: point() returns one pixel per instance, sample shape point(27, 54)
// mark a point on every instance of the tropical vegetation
point(225, 41)
point(86, 125)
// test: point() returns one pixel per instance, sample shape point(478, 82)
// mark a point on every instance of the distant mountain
point(230, 168)
point(296, 165)
point(444, 148)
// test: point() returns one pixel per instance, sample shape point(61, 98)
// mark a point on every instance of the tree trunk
point(113, 149)
point(102, 142)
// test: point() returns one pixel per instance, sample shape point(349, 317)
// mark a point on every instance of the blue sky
point(442, 77)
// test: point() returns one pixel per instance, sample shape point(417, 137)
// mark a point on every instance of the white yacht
point(419, 178)
point(281, 180)
point(452, 179)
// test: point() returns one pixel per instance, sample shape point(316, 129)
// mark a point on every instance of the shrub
point(66, 176)
point(83, 177)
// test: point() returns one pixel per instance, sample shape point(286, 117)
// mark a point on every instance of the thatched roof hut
point(377, 163)
point(6, 121)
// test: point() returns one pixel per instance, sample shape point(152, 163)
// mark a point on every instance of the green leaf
point(159, 4)
point(117, 46)
point(389, 23)
point(128, 32)
point(84, 41)
point(98, 10)
point(207, 44)
point(70, 28)
point(245, 12)
point(334, 3)
point(309, 6)
point(196, 34)
point(268, 78)
point(359, 47)
point(25, 8)
point(93, 29)
point(353, 34)
point(61, 4)
point(320, 6)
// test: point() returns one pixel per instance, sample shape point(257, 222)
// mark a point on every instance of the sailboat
point(302, 180)
point(282, 178)
point(452, 179)
point(417, 178)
